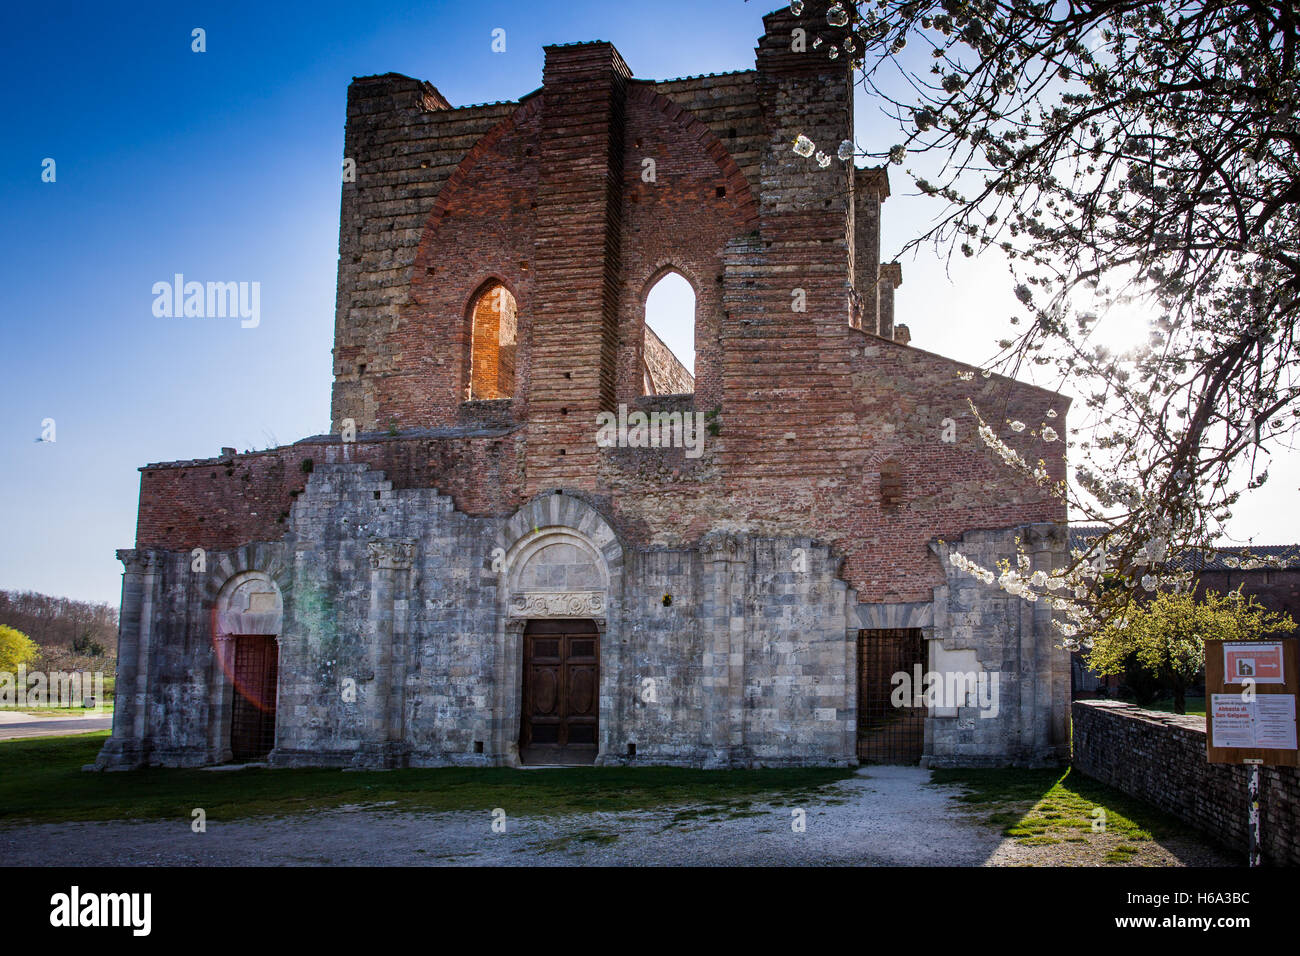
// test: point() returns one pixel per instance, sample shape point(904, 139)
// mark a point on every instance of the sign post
point(1250, 712)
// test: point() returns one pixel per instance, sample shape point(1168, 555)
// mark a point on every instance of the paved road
point(14, 725)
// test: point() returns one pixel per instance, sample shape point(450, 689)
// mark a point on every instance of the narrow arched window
point(668, 351)
point(494, 329)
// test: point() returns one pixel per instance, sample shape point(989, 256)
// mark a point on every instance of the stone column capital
point(724, 546)
point(139, 560)
point(1045, 536)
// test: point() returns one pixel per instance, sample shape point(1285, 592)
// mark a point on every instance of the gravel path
point(881, 816)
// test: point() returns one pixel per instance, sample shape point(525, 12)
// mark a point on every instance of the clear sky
point(224, 166)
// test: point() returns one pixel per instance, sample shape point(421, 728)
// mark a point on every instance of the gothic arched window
point(493, 333)
point(668, 352)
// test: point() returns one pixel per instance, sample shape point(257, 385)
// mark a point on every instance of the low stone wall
point(1160, 758)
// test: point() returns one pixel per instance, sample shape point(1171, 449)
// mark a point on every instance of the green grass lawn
point(1039, 807)
point(41, 780)
point(1195, 706)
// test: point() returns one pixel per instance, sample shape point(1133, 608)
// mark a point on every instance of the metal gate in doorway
point(889, 734)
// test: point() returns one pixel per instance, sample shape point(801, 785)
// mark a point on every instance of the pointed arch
point(736, 183)
point(668, 306)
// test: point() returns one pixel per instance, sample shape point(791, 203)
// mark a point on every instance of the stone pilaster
point(221, 694)
point(724, 557)
point(128, 747)
point(386, 624)
point(1048, 545)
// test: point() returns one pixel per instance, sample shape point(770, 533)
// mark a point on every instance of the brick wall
point(220, 503)
point(407, 143)
point(1160, 758)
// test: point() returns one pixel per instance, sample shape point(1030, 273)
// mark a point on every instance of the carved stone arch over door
point(562, 561)
point(557, 572)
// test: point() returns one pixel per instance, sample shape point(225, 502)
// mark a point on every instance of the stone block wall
point(1160, 758)
point(980, 629)
point(399, 638)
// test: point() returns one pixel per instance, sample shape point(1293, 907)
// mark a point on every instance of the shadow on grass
point(42, 781)
point(1037, 807)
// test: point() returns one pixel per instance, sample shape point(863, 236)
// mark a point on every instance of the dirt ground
point(881, 816)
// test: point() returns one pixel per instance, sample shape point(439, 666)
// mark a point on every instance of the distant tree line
point(59, 624)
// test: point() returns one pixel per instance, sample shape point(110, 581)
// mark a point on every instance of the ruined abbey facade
point(460, 573)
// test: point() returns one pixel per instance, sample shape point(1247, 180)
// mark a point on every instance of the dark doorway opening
point(561, 693)
point(889, 733)
point(252, 711)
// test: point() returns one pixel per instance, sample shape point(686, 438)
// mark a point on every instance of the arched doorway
point(562, 569)
point(561, 692)
point(252, 708)
point(246, 633)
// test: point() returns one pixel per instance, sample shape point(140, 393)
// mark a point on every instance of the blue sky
point(224, 166)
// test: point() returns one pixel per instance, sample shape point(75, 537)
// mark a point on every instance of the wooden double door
point(561, 693)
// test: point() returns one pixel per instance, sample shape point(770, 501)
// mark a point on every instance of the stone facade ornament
point(396, 554)
point(140, 560)
point(558, 604)
point(725, 545)
point(250, 606)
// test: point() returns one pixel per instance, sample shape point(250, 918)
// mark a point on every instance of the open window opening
point(493, 336)
point(668, 352)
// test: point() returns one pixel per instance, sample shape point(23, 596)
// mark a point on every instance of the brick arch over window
point(493, 335)
point(737, 185)
point(681, 218)
point(480, 228)
point(485, 144)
